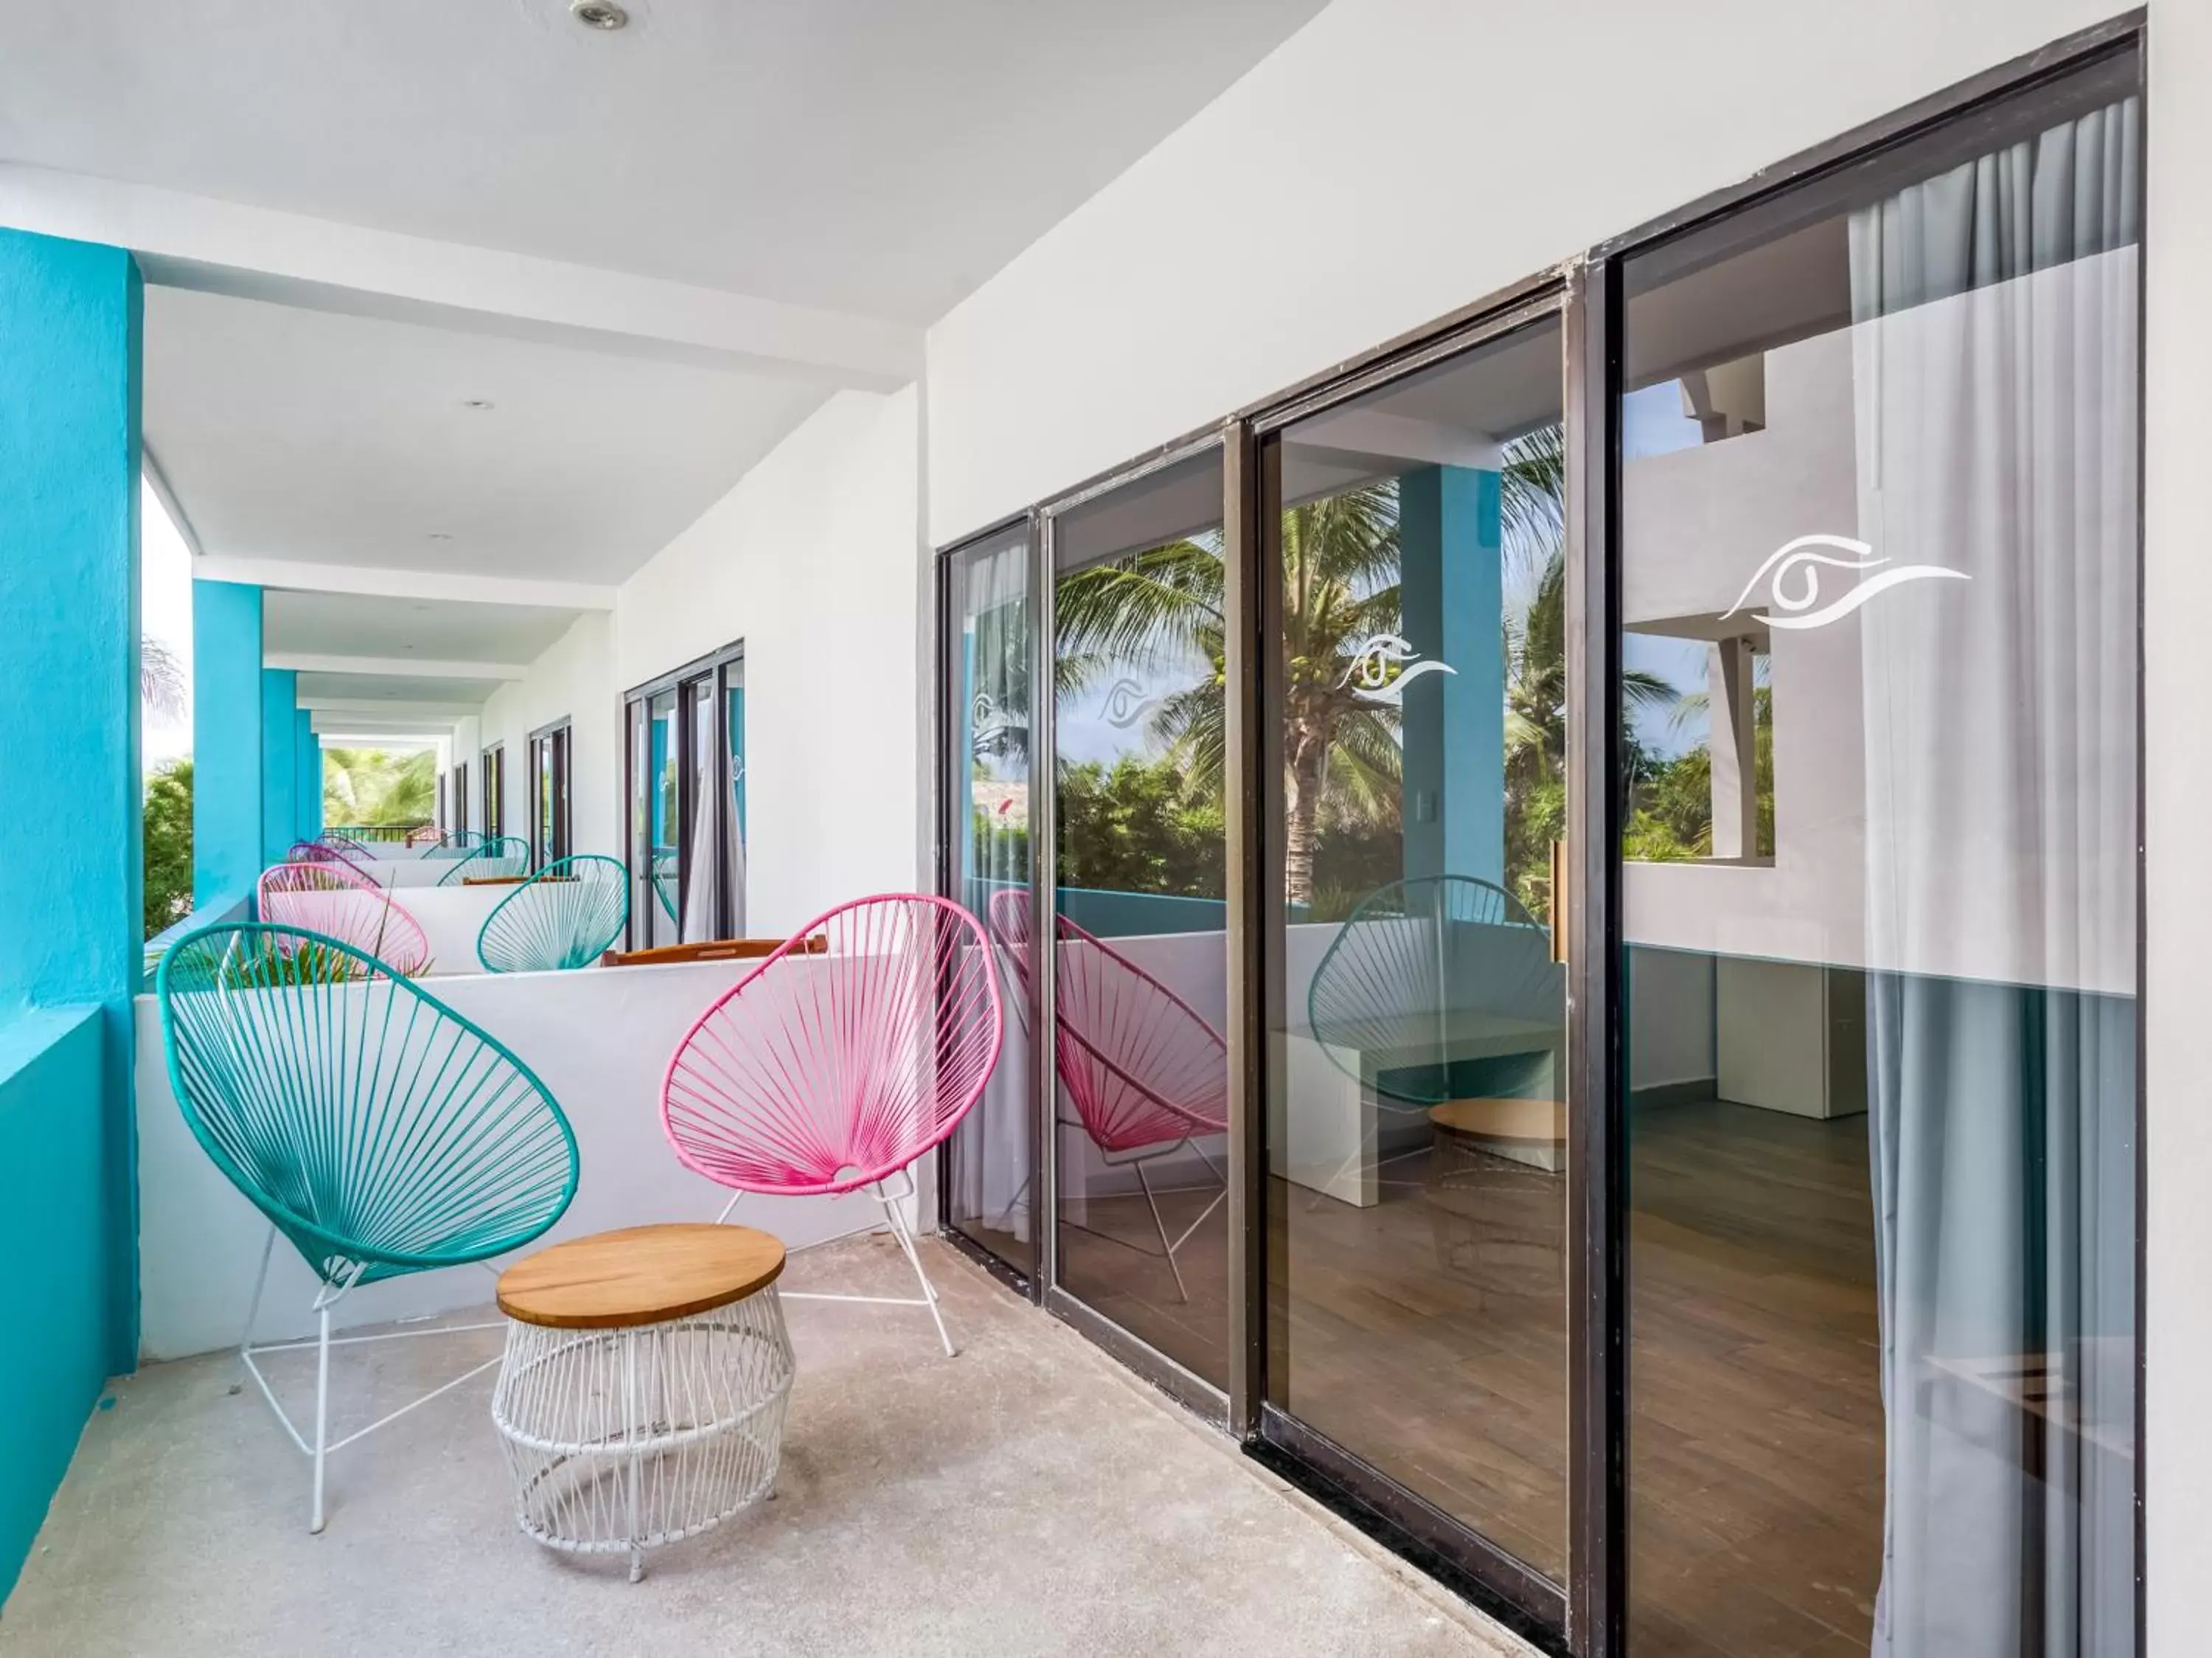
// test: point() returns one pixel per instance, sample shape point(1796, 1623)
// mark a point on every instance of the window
point(551, 836)
point(459, 796)
point(495, 790)
point(684, 786)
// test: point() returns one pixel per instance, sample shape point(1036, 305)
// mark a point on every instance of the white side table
point(641, 1398)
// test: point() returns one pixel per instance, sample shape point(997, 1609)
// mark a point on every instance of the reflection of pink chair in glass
point(820, 1073)
point(339, 901)
point(1145, 1074)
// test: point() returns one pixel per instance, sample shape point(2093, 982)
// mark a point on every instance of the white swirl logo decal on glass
point(987, 726)
point(1798, 558)
point(1370, 667)
point(1126, 703)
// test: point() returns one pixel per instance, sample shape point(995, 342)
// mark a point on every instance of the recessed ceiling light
point(481, 405)
point(439, 535)
point(598, 14)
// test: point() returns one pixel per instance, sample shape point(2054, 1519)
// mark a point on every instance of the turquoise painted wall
point(280, 766)
point(307, 774)
point(1453, 790)
point(225, 739)
point(57, 1358)
point(70, 923)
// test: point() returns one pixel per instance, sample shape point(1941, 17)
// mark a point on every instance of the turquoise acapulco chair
point(495, 857)
point(565, 916)
point(380, 1132)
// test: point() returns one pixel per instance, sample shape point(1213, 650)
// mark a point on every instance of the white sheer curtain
point(1995, 352)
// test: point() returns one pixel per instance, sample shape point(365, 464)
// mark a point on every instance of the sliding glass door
point(686, 793)
point(1879, 613)
point(989, 1168)
point(1417, 1118)
point(1139, 987)
point(1591, 863)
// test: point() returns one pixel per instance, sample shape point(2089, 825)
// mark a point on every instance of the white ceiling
point(334, 439)
point(324, 624)
point(876, 156)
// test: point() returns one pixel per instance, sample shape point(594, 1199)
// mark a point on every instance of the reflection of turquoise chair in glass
point(500, 857)
point(665, 874)
point(453, 843)
point(565, 916)
point(379, 1131)
point(1440, 987)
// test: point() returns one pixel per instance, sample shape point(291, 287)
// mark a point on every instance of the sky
point(165, 595)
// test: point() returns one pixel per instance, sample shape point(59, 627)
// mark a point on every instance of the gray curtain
point(1995, 322)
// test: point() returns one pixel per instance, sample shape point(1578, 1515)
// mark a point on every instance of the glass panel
point(733, 697)
point(986, 783)
point(703, 857)
point(564, 824)
point(665, 805)
point(1142, 965)
point(1416, 1123)
point(1878, 583)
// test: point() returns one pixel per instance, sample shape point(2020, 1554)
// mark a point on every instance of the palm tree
point(1163, 606)
point(371, 786)
point(160, 678)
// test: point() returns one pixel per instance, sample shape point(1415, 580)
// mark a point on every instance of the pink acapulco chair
point(1145, 1073)
point(819, 1073)
point(336, 899)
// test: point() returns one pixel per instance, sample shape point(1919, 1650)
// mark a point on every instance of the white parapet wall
point(599, 1040)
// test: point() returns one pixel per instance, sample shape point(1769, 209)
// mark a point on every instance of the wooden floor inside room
point(1416, 1336)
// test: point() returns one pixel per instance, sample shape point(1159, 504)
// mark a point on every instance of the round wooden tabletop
point(1543, 1121)
point(640, 1275)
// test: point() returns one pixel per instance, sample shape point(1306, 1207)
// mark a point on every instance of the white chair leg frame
point(1153, 1154)
point(327, 1297)
point(896, 1219)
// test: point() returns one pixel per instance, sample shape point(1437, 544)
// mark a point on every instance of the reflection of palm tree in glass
point(1536, 731)
point(1339, 588)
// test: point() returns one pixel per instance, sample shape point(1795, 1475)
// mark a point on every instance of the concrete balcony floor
point(1028, 1496)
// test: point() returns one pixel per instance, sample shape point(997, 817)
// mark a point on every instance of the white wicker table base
point(622, 1439)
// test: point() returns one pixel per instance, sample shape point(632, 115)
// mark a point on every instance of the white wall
point(199, 1241)
point(573, 679)
point(1483, 143)
point(810, 562)
point(2178, 804)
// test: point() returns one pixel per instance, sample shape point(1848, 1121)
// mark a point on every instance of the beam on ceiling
point(184, 241)
point(409, 668)
point(299, 575)
point(355, 735)
point(359, 709)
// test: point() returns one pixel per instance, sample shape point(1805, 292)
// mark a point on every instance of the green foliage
point(167, 839)
point(370, 786)
point(1135, 829)
point(275, 962)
